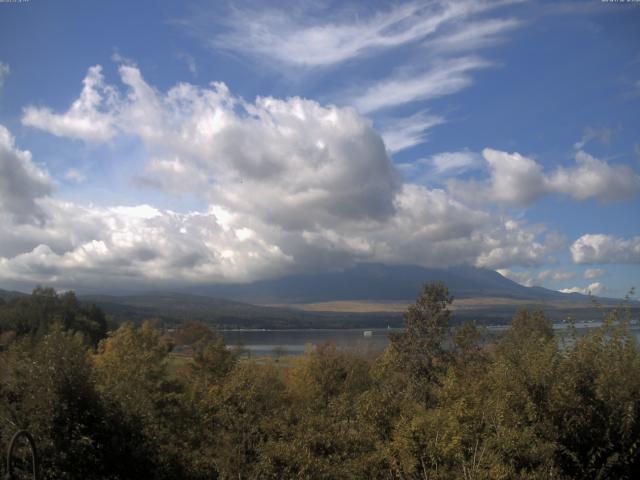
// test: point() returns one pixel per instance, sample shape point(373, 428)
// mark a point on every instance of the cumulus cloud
point(600, 248)
point(516, 180)
point(89, 117)
point(595, 288)
point(293, 162)
point(138, 246)
point(291, 186)
point(591, 177)
point(22, 183)
point(129, 245)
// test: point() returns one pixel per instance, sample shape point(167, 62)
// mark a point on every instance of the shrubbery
point(439, 403)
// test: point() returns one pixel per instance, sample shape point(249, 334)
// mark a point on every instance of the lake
point(297, 342)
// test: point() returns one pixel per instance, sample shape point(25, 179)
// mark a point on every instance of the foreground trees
point(439, 403)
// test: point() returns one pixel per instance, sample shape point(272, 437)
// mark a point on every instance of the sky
point(156, 144)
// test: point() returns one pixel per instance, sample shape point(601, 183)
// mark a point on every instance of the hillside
point(367, 295)
point(382, 282)
point(176, 307)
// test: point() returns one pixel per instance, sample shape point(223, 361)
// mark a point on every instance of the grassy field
point(368, 306)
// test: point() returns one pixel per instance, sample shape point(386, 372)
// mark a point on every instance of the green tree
point(133, 380)
point(420, 349)
point(249, 409)
point(325, 435)
point(47, 389)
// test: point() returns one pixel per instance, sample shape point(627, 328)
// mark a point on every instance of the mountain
point(303, 300)
point(373, 281)
point(7, 295)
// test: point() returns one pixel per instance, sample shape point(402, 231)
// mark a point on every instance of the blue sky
point(215, 142)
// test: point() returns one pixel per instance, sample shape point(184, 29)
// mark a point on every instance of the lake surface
point(297, 342)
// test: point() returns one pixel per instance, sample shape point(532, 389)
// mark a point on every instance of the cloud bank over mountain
point(291, 185)
point(319, 136)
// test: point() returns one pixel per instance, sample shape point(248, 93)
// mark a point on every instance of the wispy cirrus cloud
point(472, 35)
point(4, 72)
point(440, 166)
point(400, 134)
point(297, 36)
point(443, 78)
point(438, 35)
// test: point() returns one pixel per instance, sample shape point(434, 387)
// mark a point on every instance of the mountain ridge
point(375, 281)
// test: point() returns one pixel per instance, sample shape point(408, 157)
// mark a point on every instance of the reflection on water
point(296, 342)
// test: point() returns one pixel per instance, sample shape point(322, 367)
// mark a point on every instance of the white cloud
point(523, 278)
point(590, 133)
point(441, 165)
point(531, 279)
point(4, 72)
point(516, 180)
point(599, 248)
point(22, 183)
point(190, 62)
point(125, 245)
point(315, 36)
point(74, 175)
point(595, 178)
point(122, 247)
point(408, 132)
point(458, 162)
point(593, 289)
point(560, 276)
point(298, 37)
point(590, 273)
point(291, 161)
point(472, 35)
point(291, 186)
point(90, 117)
point(443, 78)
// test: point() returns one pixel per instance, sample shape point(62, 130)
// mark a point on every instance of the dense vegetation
point(439, 403)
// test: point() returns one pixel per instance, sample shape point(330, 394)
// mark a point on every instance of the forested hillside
point(439, 403)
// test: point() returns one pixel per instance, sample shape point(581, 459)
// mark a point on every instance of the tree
point(133, 380)
point(47, 389)
point(249, 409)
point(420, 349)
point(34, 315)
